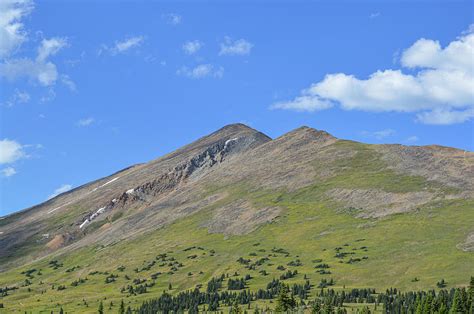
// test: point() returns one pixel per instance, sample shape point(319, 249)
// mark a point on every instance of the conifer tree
point(235, 309)
point(122, 307)
point(457, 306)
point(284, 301)
point(101, 308)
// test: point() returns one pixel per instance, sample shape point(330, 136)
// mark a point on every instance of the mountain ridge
point(237, 186)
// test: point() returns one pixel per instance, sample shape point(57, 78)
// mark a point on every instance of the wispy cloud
point(238, 47)
point(192, 46)
point(8, 171)
point(412, 139)
point(49, 96)
point(440, 91)
point(379, 135)
point(63, 188)
point(201, 71)
point(18, 97)
point(122, 46)
point(66, 80)
point(172, 18)
point(85, 122)
point(374, 15)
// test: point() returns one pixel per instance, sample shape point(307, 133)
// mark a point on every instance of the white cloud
point(40, 69)
point(12, 33)
point(201, 71)
point(238, 47)
point(412, 139)
point(49, 47)
point(441, 90)
point(379, 135)
point(445, 117)
point(173, 18)
point(8, 172)
point(305, 102)
point(85, 121)
point(18, 97)
point(43, 72)
point(191, 47)
point(123, 46)
point(10, 151)
point(63, 188)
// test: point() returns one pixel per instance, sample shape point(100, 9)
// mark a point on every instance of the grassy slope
point(419, 244)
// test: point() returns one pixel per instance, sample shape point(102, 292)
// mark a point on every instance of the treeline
point(212, 299)
point(392, 301)
point(327, 301)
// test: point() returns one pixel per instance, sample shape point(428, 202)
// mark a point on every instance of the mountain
point(376, 215)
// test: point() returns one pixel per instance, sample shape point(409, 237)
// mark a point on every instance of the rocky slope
point(149, 196)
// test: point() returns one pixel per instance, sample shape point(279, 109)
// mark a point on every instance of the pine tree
point(419, 307)
point(235, 309)
point(470, 292)
point(122, 308)
point(284, 301)
point(443, 309)
point(457, 305)
point(101, 308)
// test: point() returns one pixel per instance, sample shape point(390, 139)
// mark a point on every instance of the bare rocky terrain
point(217, 172)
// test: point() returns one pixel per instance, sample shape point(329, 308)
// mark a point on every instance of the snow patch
point(92, 217)
point(229, 141)
point(54, 209)
point(84, 223)
point(130, 191)
point(106, 183)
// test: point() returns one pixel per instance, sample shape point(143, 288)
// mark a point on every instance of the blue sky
point(89, 87)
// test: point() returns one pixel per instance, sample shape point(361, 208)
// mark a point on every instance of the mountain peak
point(308, 133)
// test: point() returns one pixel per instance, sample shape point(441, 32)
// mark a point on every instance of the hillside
point(237, 201)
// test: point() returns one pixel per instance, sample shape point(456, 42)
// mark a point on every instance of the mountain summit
point(305, 190)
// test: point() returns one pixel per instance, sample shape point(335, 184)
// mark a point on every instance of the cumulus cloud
point(8, 172)
point(44, 73)
point(201, 71)
point(85, 122)
point(10, 151)
point(123, 46)
point(12, 32)
point(40, 69)
point(192, 46)
point(440, 90)
point(238, 47)
point(63, 188)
